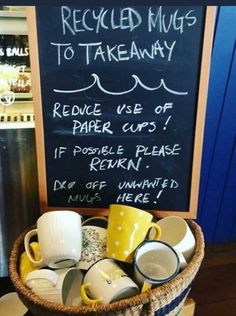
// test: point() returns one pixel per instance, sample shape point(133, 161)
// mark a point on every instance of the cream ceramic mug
point(94, 237)
point(127, 228)
point(60, 239)
point(105, 282)
point(60, 286)
point(11, 305)
point(176, 232)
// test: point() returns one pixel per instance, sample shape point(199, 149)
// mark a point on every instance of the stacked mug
point(79, 262)
point(55, 277)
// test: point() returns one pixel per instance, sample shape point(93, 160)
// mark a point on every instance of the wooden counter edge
point(189, 307)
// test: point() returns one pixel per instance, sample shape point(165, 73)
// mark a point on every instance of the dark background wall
point(217, 200)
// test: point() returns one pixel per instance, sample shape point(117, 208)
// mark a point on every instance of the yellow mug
point(127, 228)
point(25, 266)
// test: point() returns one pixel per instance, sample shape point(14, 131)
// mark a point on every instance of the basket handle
point(27, 238)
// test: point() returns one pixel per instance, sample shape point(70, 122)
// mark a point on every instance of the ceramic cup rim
point(130, 208)
point(152, 280)
point(96, 218)
point(51, 213)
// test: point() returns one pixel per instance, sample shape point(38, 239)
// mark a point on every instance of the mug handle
point(146, 286)
point(28, 236)
point(85, 298)
point(157, 229)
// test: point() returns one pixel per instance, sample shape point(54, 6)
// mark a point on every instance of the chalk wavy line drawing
point(96, 80)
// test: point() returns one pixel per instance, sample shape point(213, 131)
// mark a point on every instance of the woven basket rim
point(139, 299)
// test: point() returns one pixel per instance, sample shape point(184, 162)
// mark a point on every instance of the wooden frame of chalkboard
point(120, 99)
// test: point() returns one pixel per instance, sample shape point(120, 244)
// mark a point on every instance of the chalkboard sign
point(120, 95)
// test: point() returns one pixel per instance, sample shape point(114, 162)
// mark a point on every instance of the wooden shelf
point(189, 307)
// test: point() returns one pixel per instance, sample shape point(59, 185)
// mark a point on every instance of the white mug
point(60, 286)
point(60, 239)
point(94, 237)
point(155, 263)
point(176, 232)
point(105, 282)
point(11, 305)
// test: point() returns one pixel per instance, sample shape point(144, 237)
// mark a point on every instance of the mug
point(60, 286)
point(11, 305)
point(25, 265)
point(127, 228)
point(60, 239)
point(176, 232)
point(94, 236)
point(155, 263)
point(105, 282)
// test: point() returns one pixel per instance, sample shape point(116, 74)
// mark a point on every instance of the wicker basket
point(167, 299)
